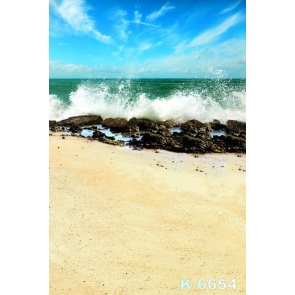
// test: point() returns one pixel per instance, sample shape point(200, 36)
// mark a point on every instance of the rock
point(235, 144)
point(52, 122)
point(236, 126)
point(204, 134)
point(81, 120)
point(119, 125)
point(170, 123)
point(75, 128)
point(111, 141)
point(164, 131)
point(54, 128)
point(176, 146)
point(218, 144)
point(144, 124)
point(156, 141)
point(97, 134)
point(191, 126)
point(243, 134)
point(217, 126)
point(194, 144)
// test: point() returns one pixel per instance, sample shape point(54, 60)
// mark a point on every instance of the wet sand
point(137, 222)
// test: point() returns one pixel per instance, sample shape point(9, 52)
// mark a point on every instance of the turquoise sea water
point(157, 99)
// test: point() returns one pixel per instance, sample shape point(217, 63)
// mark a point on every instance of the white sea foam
point(180, 105)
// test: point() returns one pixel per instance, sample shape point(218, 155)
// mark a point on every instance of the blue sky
point(147, 39)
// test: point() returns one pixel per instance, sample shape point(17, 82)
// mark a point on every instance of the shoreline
point(191, 136)
point(125, 221)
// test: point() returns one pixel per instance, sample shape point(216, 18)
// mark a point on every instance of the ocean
point(156, 99)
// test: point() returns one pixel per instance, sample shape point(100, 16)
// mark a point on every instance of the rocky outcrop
point(235, 144)
point(191, 126)
point(169, 123)
point(75, 128)
point(195, 136)
point(52, 123)
point(119, 125)
point(144, 124)
point(81, 120)
point(236, 126)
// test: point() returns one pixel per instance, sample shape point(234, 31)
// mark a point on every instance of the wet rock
point(97, 134)
point(191, 126)
point(75, 128)
point(155, 141)
point(176, 146)
point(164, 131)
point(119, 125)
point(218, 127)
point(170, 123)
point(204, 134)
point(52, 122)
point(194, 144)
point(144, 124)
point(54, 128)
point(243, 134)
point(235, 144)
point(81, 120)
point(236, 126)
point(218, 144)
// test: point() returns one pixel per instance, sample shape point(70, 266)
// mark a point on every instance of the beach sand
point(120, 223)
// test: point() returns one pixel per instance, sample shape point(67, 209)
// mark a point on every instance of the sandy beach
point(138, 222)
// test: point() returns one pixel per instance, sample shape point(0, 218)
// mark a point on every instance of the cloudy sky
point(147, 39)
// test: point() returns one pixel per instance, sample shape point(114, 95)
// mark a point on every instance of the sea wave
point(180, 105)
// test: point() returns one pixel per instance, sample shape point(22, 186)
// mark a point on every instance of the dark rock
point(164, 131)
point(144, 124)
point(235, 144)
point(243, 134)
point(54, 128)
point(193, 144)
point(237, 126)
point(204, 134)
point(170, 123)
point(75, 128)
point(176, 146)
point(218, 126)
point(98, 134)
point(119, 125)
point(52, 122)
point(81, 120)
point(111, 141)
point(191, 126)
point(152, 140)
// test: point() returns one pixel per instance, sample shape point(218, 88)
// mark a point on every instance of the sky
point(147, 39)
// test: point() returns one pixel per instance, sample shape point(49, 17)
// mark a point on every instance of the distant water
point(156, 99)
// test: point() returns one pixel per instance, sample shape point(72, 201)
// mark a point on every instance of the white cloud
point(137, 20)
point(122, 23)
point(156, 14)
point(230, 8)
point(137, 17)
point(67, 68)
point(211, 34)
point(74, 13)
point(144, 46)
